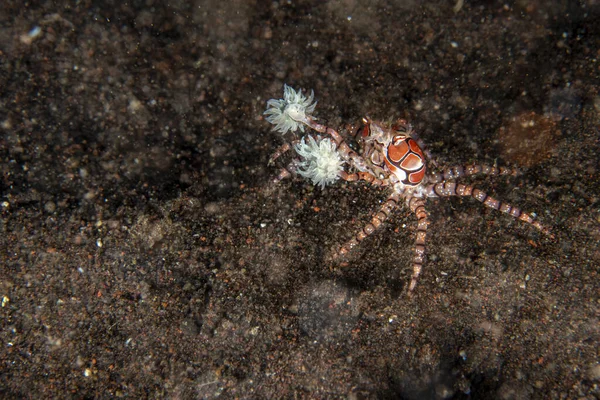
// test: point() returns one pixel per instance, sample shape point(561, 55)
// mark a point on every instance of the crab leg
point(468, 170)
point(417, 205)
point(447, 189)
point(364, 176)
point(281, 150)
point(377, 220)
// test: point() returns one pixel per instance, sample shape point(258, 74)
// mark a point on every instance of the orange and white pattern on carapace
point(406, 160)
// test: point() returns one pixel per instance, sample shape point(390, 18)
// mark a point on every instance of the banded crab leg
point(284, 173)
point(469, 170)
point(378, 219)
point(289, 170)
point(447, 189)
point(281, 150)
point(364, 176)
point(417, 205)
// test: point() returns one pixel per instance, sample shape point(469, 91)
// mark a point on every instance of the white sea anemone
point(321, 162)
point(291, 112)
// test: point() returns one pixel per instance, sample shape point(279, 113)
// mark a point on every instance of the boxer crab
point(392, 157)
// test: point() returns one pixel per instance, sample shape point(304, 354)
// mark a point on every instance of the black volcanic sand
point(144, 253)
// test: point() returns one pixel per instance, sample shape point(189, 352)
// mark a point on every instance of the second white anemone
point(321, 163)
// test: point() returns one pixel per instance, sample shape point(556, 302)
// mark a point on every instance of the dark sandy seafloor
point(144, 253)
